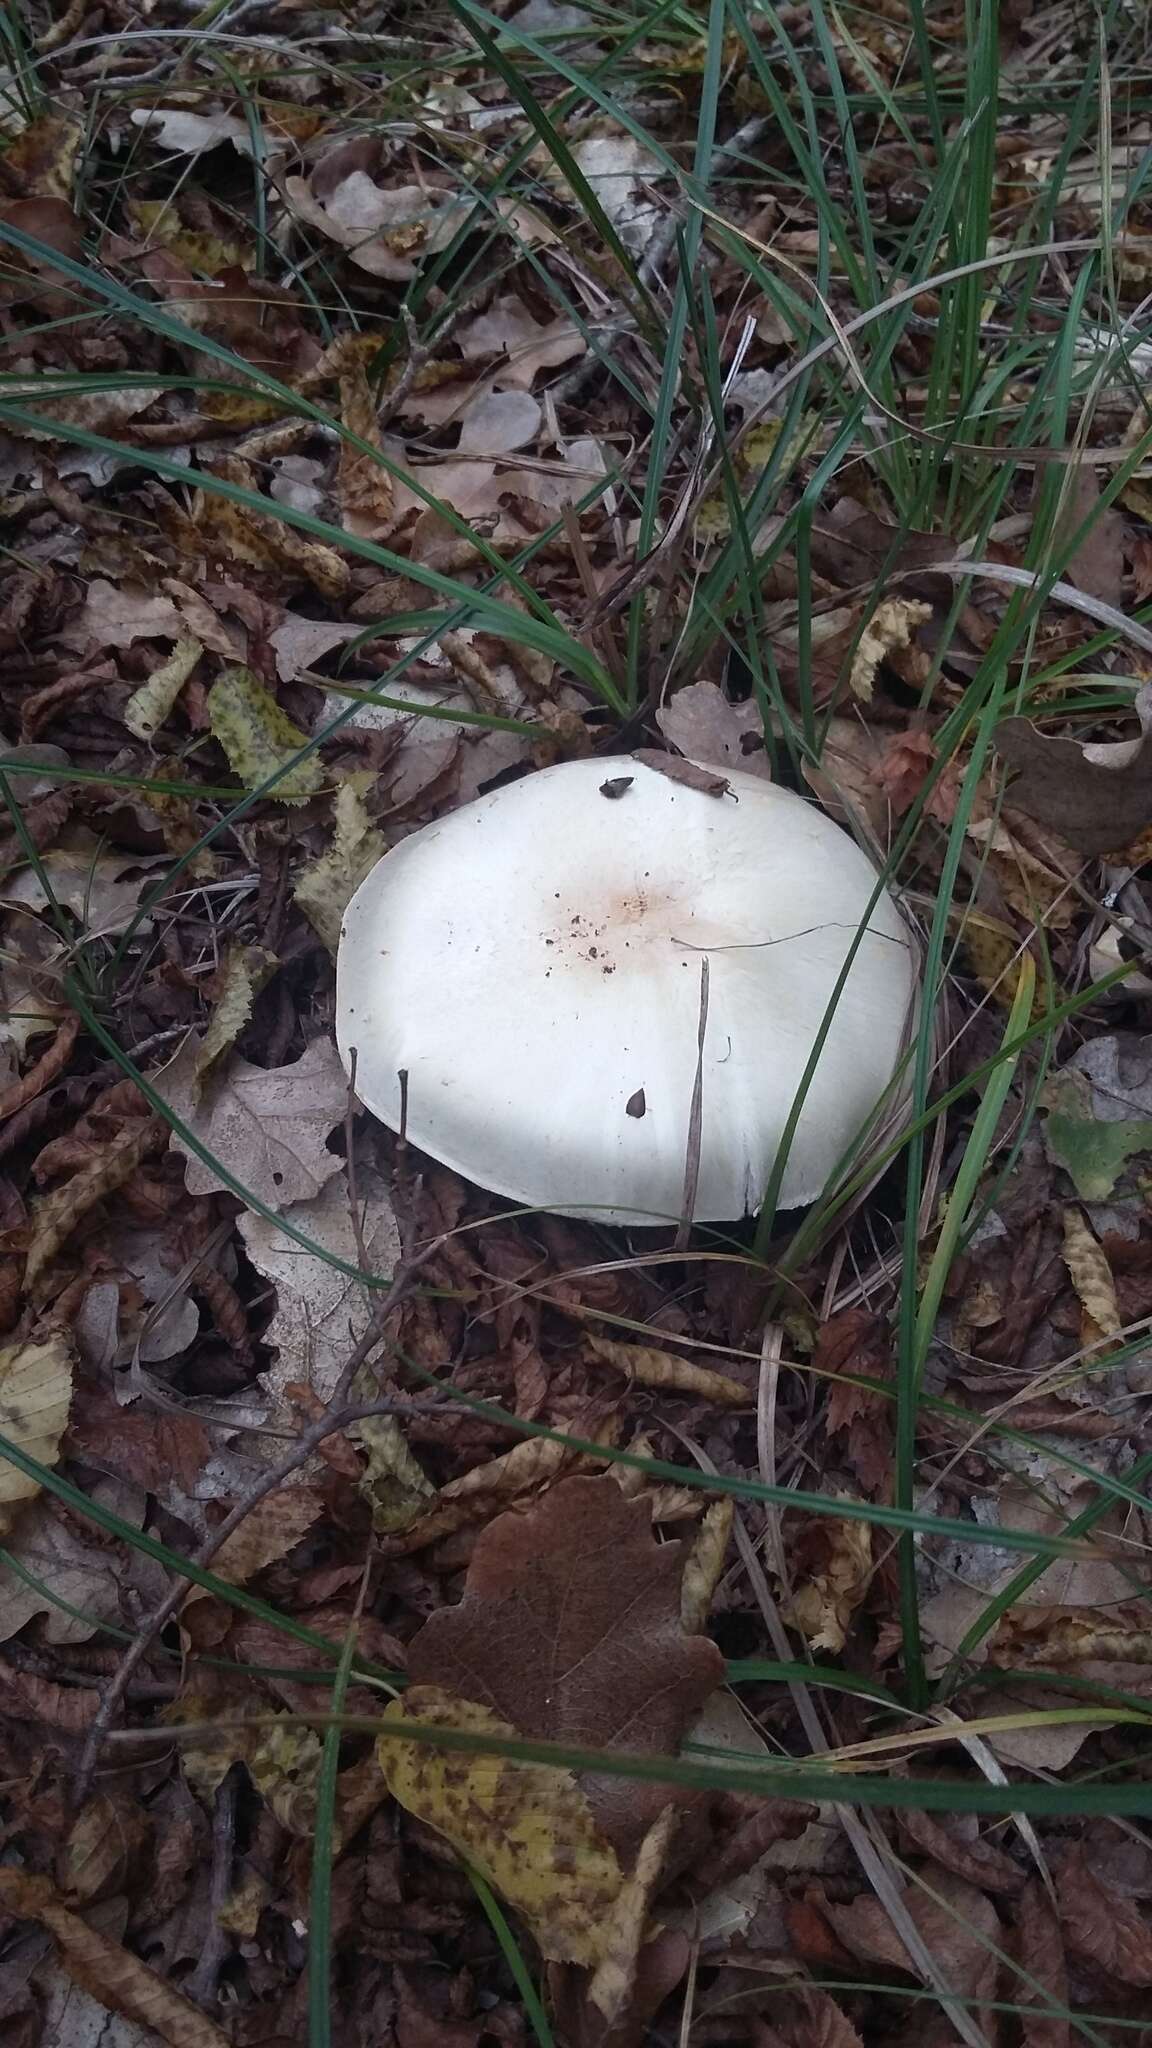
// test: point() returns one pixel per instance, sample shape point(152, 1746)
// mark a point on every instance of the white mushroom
point(532, 962)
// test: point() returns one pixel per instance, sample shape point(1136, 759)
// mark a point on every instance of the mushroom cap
point(533, 962)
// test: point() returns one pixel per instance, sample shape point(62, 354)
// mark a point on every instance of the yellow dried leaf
point(326, 886)
point(259, 738)
point(529, 1464)
point(55, 1218)
point(206, 254)
point(891, 625)
point(614, 1979)
point(244, 971)
point(704, 1564)
point(995, 958)
point(365, 487)
point(823, 1607)
point(527, 1827)
point(148, 707)
point(284, 1765)
point(240, 1913)
point(234, 533)
point(1090, 1273)
point(35, 1391)
point(41, 162)
point(396, 1489)
point(650, 1367)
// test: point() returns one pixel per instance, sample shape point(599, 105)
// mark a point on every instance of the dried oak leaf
point(704, 725)
point(1097, 797)
point(266, 1125)
point(570, 1630)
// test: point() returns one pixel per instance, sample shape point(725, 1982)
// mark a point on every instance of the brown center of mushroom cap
point(609, 928)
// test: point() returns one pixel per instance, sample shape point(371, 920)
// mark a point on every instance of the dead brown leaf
point(857, 1341)
point(1101, 1926)
point(273, 1527)
point(101, 1846)
point(367, 497)
point(649, 1367)
point(678, 770)
point(118, 1979)
point(35, 280)
point(959, 1927)
point(1098, 563)
point(1040, 1952)
point(56, 1216)
point(1098, 798)
point(702, 722)
point(832, 1573)
point(570, 1630)
point(955, 1842)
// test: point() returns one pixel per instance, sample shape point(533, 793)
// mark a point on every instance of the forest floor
point(395, 403)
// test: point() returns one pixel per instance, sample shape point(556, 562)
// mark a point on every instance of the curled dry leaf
point(706, 780)
point(891, 625)
point(148, 707)
point(1091, 1274)
point(366, 492)
point(118, 1979)
point(614, 1979)
point(242, 973)
point(649, 1367)
point(55, 1217)
point(325, 887)
point(526, 1826)
point(35, 1393)
point(1044, 1979)
point(834, 1577)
